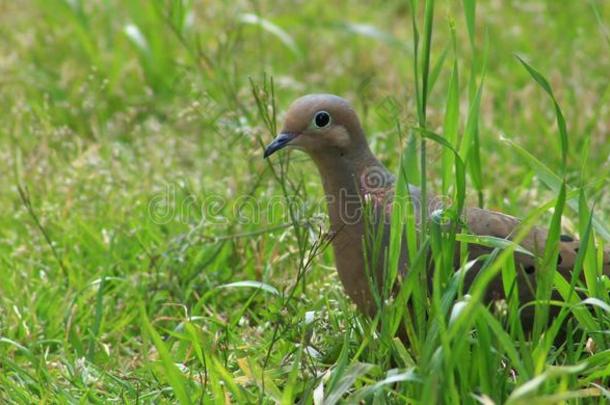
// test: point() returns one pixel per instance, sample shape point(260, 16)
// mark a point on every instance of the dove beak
point(280, 142)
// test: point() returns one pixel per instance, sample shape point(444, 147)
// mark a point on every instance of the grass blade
point(173, 374)
point(271, 28)
point(561, 122)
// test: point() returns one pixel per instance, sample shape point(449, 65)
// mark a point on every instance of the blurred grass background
point(108, 107)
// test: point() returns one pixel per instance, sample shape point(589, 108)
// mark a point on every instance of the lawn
point(148, 253)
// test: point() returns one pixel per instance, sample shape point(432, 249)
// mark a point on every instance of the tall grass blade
point(346, 381)
point(451, 122)
point(561, 122)
point(173, 374)
point(470, 15)
point(271, 28)
point(545, 274)
point(553, 182)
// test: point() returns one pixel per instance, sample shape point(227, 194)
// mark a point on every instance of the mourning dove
point(328, 129)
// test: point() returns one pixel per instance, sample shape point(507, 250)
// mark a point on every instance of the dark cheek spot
point(559, 260)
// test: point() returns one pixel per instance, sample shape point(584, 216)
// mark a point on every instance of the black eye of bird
point(321, 119)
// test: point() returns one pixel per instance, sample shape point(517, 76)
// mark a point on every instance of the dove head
point(322, 125)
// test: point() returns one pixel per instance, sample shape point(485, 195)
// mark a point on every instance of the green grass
point(148, 253)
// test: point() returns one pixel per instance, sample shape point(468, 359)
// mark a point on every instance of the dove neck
point(346, 179)
point(343, 178)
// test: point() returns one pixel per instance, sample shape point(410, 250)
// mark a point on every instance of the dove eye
point(321, 119)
